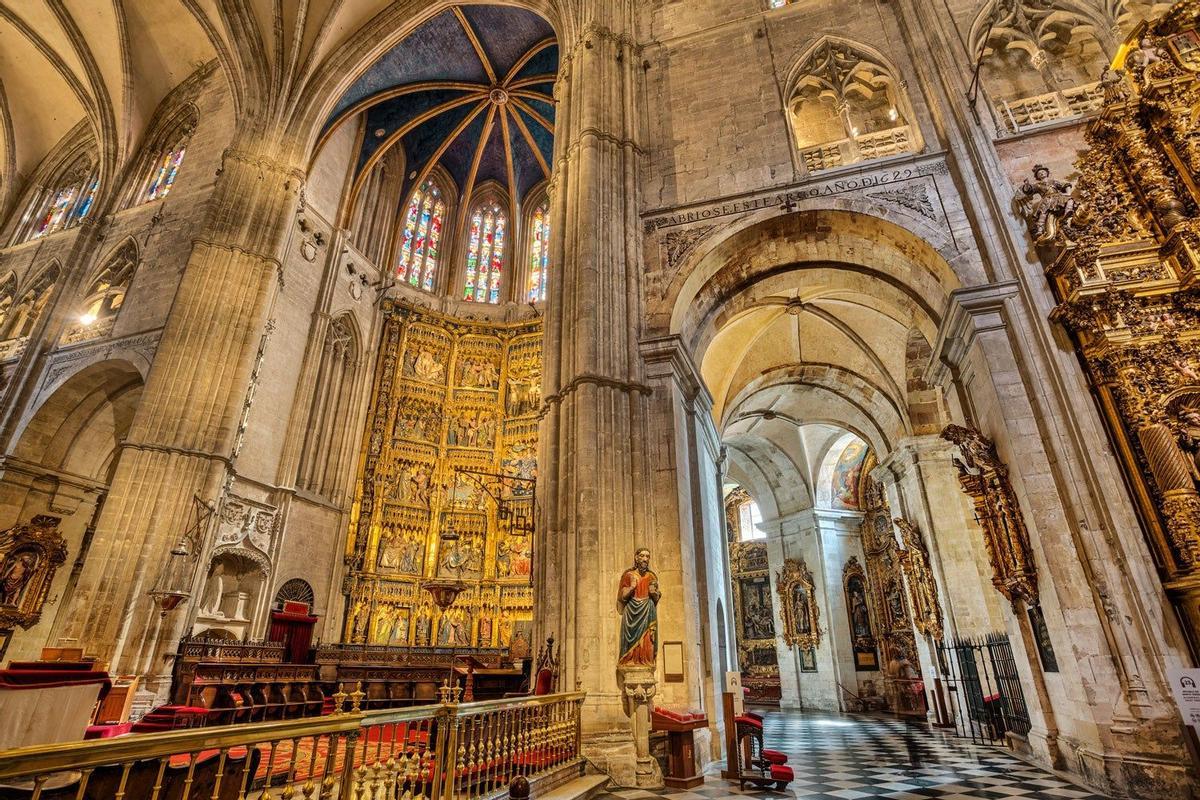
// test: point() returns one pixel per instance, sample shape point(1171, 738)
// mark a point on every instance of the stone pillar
point(593, 480)
point(183, 435)
point(921, 472)
point(638, 688)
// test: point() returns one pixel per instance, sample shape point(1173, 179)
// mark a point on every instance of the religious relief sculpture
point(922, 590)
point(984, 477)
point(30, 554)
point(801, 616)
point(1046, 204)
point(637, 597)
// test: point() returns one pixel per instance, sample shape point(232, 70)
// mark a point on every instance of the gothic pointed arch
point(105, 295)
point(63, 190)
point(162, 156)
point(325, 457)
point(487, 244)
point(8, 296)
point(34, 297)
point(536, 225)
point(846, 104)
point(422, 236)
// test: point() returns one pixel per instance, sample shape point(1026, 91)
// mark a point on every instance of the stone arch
point(79, 427)
point(846, 103)
point(908, 248)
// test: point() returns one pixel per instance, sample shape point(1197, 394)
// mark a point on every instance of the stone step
point(582, 788)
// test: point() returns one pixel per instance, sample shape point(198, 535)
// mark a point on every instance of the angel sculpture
point(1046, 204)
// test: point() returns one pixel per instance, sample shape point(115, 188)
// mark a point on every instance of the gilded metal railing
point(448, 751)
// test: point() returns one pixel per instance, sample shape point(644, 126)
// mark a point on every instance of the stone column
point(921, 471)
point(593, 477)
point(183, 434)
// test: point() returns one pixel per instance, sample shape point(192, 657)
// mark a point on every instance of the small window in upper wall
point(485, 253)
point(63, 208)
point(779, 3)
point(162, 178)
point(420, 249)
point(539, 253)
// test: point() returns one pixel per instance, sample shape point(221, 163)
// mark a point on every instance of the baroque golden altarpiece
point(451, 438)
point(1123, 257)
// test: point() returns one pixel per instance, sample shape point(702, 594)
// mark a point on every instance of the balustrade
point(866, 147)
point(1032, 112)
point(446, 751)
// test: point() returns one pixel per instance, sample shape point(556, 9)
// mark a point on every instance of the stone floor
point(849, 757)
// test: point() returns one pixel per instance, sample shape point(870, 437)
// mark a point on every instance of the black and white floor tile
point(865, 758)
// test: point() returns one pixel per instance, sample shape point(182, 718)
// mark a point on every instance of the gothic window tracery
point(420, 247)
point(1041, 59)
point(539, 252)
point(105, 296)
point(487, 235)
point(846, 106)
point(8, 295)
point(166, 168)
point(29, 308)
point(65, 201)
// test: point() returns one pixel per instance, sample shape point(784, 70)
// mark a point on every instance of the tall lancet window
point(162, 176)
point(485, 253)
point(539, 253)
point(420, 248)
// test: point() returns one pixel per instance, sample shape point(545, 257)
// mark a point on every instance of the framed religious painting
point(29, 556)
point(797, 593)
point(808, 659)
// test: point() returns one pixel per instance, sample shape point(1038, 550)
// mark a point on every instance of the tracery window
point(32, 303)
point(485, 253)
point(8, 295)
point(63, 206)
point(162, 176)
point(420, 248)
point(1040, 59)
point(846, 106)
point(539, 253)
point(104, 297)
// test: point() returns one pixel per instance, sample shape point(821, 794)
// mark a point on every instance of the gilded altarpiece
point(753, 610)
point(451, 397)
point(885, 578)
point(1123, 261)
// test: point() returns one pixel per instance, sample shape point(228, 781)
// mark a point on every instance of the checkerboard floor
point(843, 757)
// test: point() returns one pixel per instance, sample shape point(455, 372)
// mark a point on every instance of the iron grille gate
point(984, 688)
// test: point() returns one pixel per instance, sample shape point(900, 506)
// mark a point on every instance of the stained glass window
point(485, 254)
point(539, 253)
point(163, 177)
point(420, 249)
point(56, 216)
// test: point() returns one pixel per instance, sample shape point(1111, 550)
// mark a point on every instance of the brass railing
point(448, 751)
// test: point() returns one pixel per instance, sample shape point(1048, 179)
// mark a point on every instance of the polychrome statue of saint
point(638, 598)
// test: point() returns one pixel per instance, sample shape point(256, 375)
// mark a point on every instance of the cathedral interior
point(471, 398)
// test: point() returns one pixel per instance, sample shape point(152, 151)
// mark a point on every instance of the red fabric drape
point(295, 631)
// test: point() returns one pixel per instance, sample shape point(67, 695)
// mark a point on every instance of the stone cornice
point(971, 311)
point(585, 379)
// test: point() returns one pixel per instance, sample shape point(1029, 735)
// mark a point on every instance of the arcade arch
point(812, 332)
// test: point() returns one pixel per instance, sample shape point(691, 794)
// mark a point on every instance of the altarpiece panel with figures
point(446, 484)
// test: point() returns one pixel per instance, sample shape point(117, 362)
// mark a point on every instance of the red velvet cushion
point(748, 720)
point(754, 715)
point(781, 773)
point(545, 682)
point(774, 756)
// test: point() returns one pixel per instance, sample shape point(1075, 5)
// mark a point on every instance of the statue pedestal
point(638, 687)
